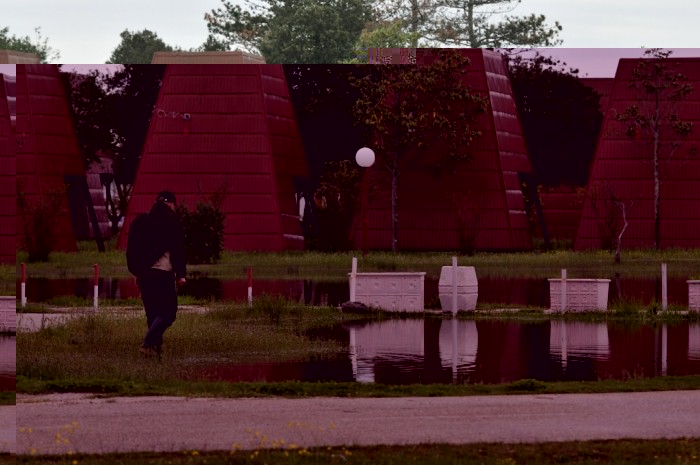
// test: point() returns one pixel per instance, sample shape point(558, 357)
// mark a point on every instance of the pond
point(8, 362)
point(435, 350)
point(492, 289)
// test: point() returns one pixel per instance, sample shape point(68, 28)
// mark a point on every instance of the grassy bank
point(294, 389)
point(97, 353)
point(574, 452)
point(102, 346)
point(322, 266)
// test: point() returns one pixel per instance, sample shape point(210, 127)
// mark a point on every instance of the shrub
point(39, 220)
point(531, 385)
point(204, 232)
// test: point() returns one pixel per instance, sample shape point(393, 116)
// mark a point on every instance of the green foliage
point(469, 23)
point(384, 34)
point(138, 47)
point(291, 31)
point(560, 116)
point(204, 232)
point(39, 45)
point(530, 385)
point(39, 220)
point(275, 307)
point(336, 202)
point(90, 104)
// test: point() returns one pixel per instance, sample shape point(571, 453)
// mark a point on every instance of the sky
point(86, 31)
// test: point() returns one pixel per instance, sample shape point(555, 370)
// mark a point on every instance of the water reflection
point(492, 289)
point(579, 339)
point(694, 342)
point(433, 350)
point(8, 363)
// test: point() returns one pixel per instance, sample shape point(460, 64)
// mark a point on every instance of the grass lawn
point(628, 451)
point(335, 266)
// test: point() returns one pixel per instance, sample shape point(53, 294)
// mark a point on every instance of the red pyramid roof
point(47, 148)
point(7, 182)
point(617, 165)
point(239, 135)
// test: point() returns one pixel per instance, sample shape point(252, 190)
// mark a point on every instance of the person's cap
point(166, 196)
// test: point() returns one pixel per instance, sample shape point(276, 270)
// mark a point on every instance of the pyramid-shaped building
point(226, 129)
point(8, 170)
point(485, 191)
point(617, 169)
point(48, 157)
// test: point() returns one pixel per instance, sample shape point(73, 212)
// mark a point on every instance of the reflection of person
point(158, 283)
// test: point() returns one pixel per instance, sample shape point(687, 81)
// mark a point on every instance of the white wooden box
point(8, 313)
point(694, 295)
point(401, 291)
point(467, 288)
point(581, 294)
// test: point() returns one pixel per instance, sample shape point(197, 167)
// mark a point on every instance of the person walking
point(156, 256)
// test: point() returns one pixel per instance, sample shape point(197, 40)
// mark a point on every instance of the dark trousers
point(159, 294)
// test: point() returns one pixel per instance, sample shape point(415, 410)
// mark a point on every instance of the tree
point(419, 117)
point(112, 114)
point(560, 118)
point(389, 34)
point(470, 23)
point(336, 203)
point(90, 105)
point(138, 47)
point(39, 45)
point(292, 31)
point(653, 122)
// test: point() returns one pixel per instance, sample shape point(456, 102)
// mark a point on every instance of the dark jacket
point(168, 232)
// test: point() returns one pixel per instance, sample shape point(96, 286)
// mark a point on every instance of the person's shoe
point(148, 351)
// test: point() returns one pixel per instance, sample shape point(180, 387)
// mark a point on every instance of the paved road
point(91, 425)
point(7, 428)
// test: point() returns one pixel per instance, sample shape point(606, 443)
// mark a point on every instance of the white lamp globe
point(365, 157)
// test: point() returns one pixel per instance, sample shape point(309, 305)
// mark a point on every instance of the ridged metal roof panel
point(8, 203)
point(47, 148)
point(241, 137)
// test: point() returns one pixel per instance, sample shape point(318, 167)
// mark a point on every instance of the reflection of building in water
point(393, 340)
point(8, 355)
point(429, 350)
point(588, 340)
point(459, 341)
point(694, 342)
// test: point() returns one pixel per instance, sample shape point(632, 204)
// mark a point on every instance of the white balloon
point(365, 157)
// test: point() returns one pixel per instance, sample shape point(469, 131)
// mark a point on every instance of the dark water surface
point(434, 350)
point(8, 362)
point(515, 291)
